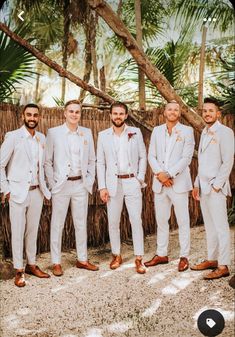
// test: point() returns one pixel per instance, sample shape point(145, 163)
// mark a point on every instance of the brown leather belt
point(75, 178)
point(125, 176)
point(31, 188)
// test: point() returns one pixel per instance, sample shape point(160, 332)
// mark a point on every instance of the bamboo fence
point(97, 226)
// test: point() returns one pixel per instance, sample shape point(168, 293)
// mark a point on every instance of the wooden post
point(201, 69)
point(139, 40)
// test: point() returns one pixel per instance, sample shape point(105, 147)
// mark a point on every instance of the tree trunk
point(37, 86)
point(154, 75)
point(93, 23)
point(53, 65)
point(88, 63)
point(65, 44)
point(201, 69)
point(139, 40)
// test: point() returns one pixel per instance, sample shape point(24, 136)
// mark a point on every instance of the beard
point(118, 125)
point(30, 126)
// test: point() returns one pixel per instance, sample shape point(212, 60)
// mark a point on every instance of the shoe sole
point(186, 268)
point(153, 265)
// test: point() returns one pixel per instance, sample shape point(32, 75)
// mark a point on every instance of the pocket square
point(85, 142)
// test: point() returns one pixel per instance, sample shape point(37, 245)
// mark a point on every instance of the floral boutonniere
point(178, 139)
point(81, 134)
point(213, 141)
point(211, 133)
point(38, 140)
point(130, 135)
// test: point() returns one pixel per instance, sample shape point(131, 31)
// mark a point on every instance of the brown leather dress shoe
point(57, 270)
point(157, 260)
point(232, 282)
point(19, 279)
point(86, 265)
point(183, 264)
point(116, 262)
point(205, 265)
point(140, 268)
point(36, 271)
point(217, 273)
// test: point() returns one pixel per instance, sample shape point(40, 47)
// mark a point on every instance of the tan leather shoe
point(57, 270)
point(86, 265)
point(157, 260)
point(217, 273)
point(36, 271)
point(140, 268)
point(205, 265)
point(19, 279)
point(232, 282)
point(116, 262)
point(183, 264)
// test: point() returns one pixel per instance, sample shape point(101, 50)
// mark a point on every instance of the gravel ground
point(161, 303)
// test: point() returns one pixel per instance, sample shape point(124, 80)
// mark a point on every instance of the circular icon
point(211, 323)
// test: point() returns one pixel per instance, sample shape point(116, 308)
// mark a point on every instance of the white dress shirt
point(168, 143)
point(75, 152)
point(33, 145)
point(121, 149)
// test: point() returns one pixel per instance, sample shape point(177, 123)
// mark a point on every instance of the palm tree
point(16, 65)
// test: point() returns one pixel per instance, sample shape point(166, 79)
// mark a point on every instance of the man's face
point(172, 112)
point(210, 113)
point(118, 116)
point(72, 113)
point(31, 117)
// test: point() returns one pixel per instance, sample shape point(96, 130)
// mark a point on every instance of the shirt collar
point(126, 127)
point(27, 134)
point(174, 128)
point(67, 130)
point(212, 128)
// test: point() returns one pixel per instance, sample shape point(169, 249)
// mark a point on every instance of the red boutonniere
point(130, 135)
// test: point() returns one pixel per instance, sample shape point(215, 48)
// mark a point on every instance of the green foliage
point(59, 102)
point(16, 66)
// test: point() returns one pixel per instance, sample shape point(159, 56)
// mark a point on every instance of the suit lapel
point(40, 150)
point(66, 143)
point(82, 141)
point(111, 142)
point(207, 141)
point(175, 135)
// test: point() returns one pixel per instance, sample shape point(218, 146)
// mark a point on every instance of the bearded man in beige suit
point(23, 184)
point(70, 171)
point(215, 162)
point(121, 166)
point(170, 153)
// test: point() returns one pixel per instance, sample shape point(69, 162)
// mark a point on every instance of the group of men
point(63, 167)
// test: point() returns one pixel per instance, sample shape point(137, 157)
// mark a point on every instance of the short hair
point(73, 101)
point(119, 104)
point(30, 105)
point(214, 101)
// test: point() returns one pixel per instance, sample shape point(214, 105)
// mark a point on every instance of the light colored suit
point(215, 160)
point(180, 155)
point(57, 169)
point(25, 206)
point(123, 189)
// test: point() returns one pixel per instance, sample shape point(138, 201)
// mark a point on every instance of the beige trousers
point(25, 219)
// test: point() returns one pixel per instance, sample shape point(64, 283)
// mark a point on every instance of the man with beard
point(170, 153)
point(70, 171)
point(121, 167)
point(215, 162)
point(23, 185)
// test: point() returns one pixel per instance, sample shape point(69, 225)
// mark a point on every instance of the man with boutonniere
point(170, 153)
point(121, 167)
point(211, 187)
point(70, 171)
point(24, 186)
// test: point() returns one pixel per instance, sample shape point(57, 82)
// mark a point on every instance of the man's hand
point(216, 189)
point(195, 194)
point(104, 195)
point(7, 196)
point(162, 177)
point(168, 183)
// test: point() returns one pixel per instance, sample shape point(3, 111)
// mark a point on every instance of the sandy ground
point(163, 302)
